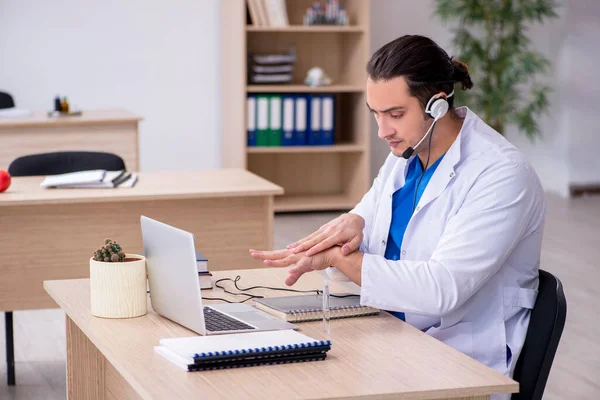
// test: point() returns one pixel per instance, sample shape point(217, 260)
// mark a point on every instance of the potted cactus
point(117, 282)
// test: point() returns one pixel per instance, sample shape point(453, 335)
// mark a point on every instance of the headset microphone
point(409, 152)
point(436, 108)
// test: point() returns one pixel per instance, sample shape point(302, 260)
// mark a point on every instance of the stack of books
point(204, 276)
point(92, 179)
point(290, 119)
point(268, 12)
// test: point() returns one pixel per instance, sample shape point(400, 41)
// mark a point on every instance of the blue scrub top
point(403, 203)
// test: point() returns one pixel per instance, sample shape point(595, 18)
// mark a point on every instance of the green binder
point(275, 119)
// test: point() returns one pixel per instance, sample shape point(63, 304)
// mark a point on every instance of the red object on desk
point(4, 180)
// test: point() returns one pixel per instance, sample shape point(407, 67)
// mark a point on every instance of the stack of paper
point(14, 112)
point(93, 179)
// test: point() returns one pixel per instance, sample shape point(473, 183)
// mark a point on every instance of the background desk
point(113, 131)
point(52, 233)
point(371, 357)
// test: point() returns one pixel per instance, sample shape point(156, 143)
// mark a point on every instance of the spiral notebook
point(309, 307)
point(200, 353)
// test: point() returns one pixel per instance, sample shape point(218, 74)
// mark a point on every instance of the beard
point(425, 145)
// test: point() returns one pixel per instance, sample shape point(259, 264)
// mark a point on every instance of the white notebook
point(93, 179)
point(95, 176)
point(184, 351)
point(189, 346)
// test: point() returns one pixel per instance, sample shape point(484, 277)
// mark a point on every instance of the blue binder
point(287, 135)
point(300, 120)
point(251, 119)
point(314, 120)
point(262, 120)
point(327, 120)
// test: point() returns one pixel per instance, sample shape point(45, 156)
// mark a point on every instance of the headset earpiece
point(437, 107)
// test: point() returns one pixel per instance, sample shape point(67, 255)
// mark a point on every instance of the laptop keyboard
point(216, 321)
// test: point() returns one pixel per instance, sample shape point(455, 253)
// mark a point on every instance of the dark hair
point(426, 67)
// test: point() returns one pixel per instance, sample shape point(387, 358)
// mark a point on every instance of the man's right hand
point(346, 231)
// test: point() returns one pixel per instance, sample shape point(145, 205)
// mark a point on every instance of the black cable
point(237, 279)
point(426, 165)
point(253, 296)
point(225, 300)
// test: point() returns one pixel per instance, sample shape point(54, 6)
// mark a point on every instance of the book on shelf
point(268, 13)
point(310, 307)
point(200, 353)
point(253, 12)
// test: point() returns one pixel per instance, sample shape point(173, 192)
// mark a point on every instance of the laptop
point(175, 289)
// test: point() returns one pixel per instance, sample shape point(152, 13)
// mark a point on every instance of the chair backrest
point(63, 162)
point(6, 100)
point(545, 329)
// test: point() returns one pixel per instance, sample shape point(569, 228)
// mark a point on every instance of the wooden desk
point(52, 233)
point(113, 131)
point(371, 357)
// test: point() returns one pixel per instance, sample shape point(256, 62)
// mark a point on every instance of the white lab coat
point(468, 268)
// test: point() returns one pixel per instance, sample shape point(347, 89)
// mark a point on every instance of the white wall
point(567, 152)
point(158, 59)
point(582, 91)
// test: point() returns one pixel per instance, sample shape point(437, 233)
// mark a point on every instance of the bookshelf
point(306, 29)
point(314, 177)
point(336, 148)
point(304, 89)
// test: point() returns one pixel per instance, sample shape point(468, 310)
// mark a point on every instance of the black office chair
point(545, 329)
point(52, 164)
point(64, 162)
point(6, 100)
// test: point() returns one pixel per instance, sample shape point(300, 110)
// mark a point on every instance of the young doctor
point(448, 238)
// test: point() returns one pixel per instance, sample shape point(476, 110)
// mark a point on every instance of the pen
point(326, 314)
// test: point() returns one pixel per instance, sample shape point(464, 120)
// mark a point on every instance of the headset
point(436, 108)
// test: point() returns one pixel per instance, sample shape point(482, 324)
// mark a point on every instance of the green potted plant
point(491, 38)
point(117, 282)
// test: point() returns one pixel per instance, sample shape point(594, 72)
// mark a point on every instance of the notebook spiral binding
point(263, 349)
point(335, 313)
point(212, 367)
